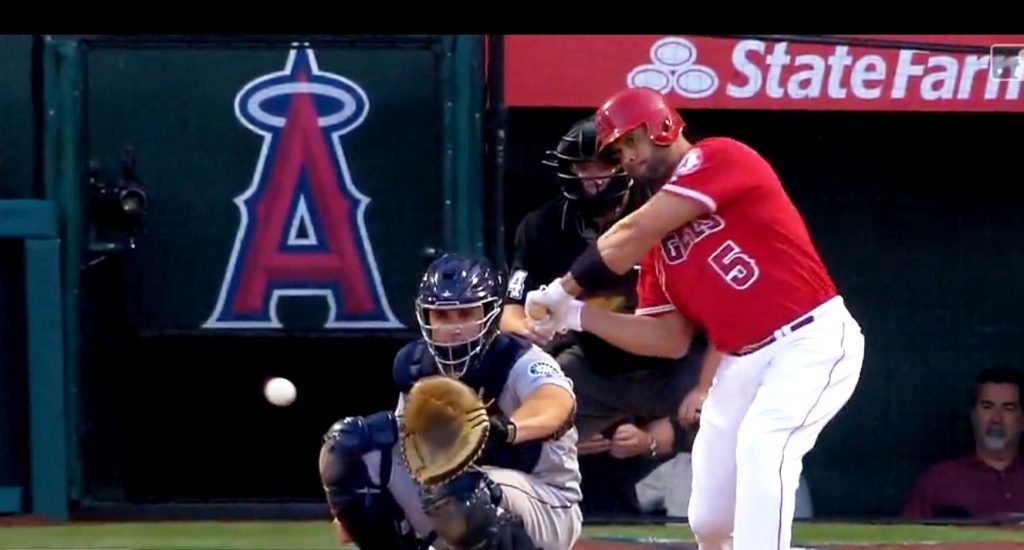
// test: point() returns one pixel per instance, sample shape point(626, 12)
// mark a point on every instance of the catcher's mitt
point(444, 428)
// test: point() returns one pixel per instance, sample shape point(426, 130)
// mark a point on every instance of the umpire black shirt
point(548, 241)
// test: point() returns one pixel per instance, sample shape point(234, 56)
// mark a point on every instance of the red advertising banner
point(748, 73)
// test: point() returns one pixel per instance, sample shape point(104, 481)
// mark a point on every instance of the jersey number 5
point(738, 269)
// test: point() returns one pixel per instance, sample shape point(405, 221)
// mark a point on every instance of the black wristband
point(590, 271)
point(502, 431)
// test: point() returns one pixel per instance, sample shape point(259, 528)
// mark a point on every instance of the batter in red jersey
point(749, 253)
point(722, 247)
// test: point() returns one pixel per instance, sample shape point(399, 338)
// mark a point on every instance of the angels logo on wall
point(302, 230)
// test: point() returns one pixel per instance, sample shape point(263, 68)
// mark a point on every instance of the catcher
point(480, 452)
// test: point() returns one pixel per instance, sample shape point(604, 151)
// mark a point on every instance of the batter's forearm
point(658, 336)
point(623, 245)
point(570, 285)
point(614, 254)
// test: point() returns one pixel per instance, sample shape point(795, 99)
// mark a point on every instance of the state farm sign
point(751, 74)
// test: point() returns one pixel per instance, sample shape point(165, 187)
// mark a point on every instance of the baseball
point(279, 391)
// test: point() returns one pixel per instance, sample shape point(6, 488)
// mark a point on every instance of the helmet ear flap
point(667, 129)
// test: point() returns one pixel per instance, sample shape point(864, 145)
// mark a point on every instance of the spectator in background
point(612, 462)
point(667, 488)
point(989, 482)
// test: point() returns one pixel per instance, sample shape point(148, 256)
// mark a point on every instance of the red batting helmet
point(633, 107)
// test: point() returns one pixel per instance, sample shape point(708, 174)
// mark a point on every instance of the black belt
point(751, 348)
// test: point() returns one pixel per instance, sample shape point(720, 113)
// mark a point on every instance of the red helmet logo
point(634, 107)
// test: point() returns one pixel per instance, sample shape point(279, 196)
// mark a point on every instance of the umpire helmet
point(578, 146)
point(466, 293)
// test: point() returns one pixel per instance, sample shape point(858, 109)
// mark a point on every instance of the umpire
point(612, 386)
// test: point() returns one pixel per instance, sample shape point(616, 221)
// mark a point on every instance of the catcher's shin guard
point(465, 514)
point(366, 510)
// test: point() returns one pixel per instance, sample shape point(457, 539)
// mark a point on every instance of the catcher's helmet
point(579, 145)
point(459, 282)
point(634, 107)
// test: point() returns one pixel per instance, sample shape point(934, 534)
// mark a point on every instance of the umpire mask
point(594, 181)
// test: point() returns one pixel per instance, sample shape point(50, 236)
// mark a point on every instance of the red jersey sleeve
point(651, 299)
point(710, 173)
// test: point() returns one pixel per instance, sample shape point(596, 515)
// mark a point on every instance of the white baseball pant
point(764, 412)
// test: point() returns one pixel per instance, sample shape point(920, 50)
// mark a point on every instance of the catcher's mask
point(577, 152)
point(465, 295)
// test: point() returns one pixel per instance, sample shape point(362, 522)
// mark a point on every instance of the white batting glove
point(574, 316)
point(546, 327)
point(568, 318)
point(552, 297)
point(571, 318)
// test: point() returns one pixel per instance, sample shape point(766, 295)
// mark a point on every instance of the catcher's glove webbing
point(444, 428)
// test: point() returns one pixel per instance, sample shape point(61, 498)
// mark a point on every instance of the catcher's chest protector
point(491, 374)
